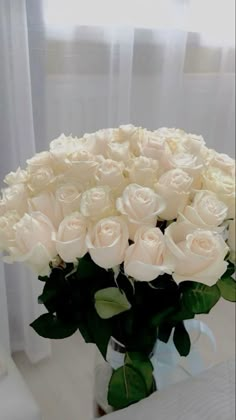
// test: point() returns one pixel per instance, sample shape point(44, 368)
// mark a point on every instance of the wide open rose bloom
point(70, 238)
point(206, 210)
point(144, 260)
point(107, 241)
point(33, 243)
point(195, 254)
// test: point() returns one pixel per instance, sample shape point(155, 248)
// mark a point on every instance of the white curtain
point(171, 64)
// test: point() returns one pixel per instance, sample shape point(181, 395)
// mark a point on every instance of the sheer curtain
point(74, 68)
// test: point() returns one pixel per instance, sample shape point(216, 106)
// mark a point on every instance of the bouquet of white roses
point(132, 232)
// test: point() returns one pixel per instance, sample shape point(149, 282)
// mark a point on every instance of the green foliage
point(227, 287)
point(49, 326)
point(181, 339)
point(110, 301)
point(199, 298)
point(132, 382)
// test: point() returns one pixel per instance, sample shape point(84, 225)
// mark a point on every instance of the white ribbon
point(170, 367)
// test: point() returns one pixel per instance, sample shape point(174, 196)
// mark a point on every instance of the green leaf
point(181, 339)
point(46, 296)
point(230, 270)
point(227, 286)
point(161, 316)
point(126, 387)
point(199, 298)
point(110, 301)
point(49, 326)
point(143, 365)
point(164, 332)
point(43, 278)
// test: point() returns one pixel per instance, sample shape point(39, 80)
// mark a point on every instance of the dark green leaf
point(199, 298)
point(164, 332)
point(157, 319)
point(230, 270)
point(181, 339)
point(46, 296)
point(43, 278)
point(126, 387)
point(49, 326)
point(227, 286)
point(143, 365)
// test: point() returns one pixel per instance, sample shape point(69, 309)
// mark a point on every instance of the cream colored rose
point(47, 204)
point(18, 177)
point(33, 243)
point(63, 146)
point(231, 240)
point(69, 195)
point(143, 171)
point(110, 172)
point(223, 184)
point(107, 241)
point(130, 133)
point(41, 179)
point(70, 239)
point(3, 207)
point(119, 151)
point(222, 161)
point(141, 205)
point(206, 211)
point(195, 254)
point(99, 140)
point(83, 166)
point(174, 186)
point(152, 145)
point(7, 232)
point(15, 198)
point(144, 260)
point(97, 203)
point(39, 160)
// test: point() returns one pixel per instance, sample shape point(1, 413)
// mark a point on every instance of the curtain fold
point(63, 76)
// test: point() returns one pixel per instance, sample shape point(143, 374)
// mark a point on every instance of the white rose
point(195, 254)
point(83, 166)
point(18, 177)
point(152, 145)
point(174, 186)
point(97, 203)
point(143, 171)
point(141, 205)
point(107, 241)
point(7, 232)
point(69, 196)
point(33, 243)
point(39, 160)
point(70, 239)
point(47, 204)
point(110, 172)
point(97, 142)
point(223, 184)
point(144, 260)
point(129, 133)
point(3, 207)
point(231, 240)
point(222, 161)
point(63, 146)
point(118, 151)
point(41, 179)
point(206, 211)
point(15, 198)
